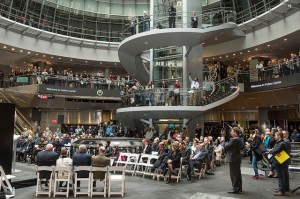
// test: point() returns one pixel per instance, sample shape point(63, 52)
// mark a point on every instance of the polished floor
point(210, 187)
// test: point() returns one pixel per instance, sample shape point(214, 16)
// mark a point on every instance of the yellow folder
point(282, 157)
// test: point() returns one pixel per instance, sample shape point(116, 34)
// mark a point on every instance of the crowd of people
point(202, 153)
point(67, 78)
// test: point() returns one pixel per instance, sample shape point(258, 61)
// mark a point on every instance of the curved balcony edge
point(170, 112)
point(132, 47)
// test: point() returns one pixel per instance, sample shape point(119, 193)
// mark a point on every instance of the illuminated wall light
point(248, 51)
point(71, 59)
point(51, 57)
point(268, 45)
point(21, 51)
point(36, 54)
point(285, 39)
point(85, 61)
point(233, 54)
point(213, 58)
point(226, 55)
point(241, 53)
point(220, 57)
point(256, 48)
point(44, 55)
point(12, 49)
point(59, 58)
point(28, 53)
point(4, 46)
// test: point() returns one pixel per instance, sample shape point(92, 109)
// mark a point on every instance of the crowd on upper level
point(68, 78)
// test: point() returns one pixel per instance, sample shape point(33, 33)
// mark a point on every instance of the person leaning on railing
point(172, 16)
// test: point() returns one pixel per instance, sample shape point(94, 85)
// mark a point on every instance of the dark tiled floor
point(209, 187)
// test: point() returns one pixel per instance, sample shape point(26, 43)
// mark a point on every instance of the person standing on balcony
point(132, 25)
point(194, 90)
point(177, 93)
point(146, 22)
point(194, 20)
point(172, 16)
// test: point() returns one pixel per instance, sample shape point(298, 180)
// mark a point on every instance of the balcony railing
point(208, 93)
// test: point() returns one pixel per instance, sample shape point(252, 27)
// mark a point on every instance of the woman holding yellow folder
point(278, 151)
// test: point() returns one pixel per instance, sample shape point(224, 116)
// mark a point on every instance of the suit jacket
point(148, 149)
point(204, 155)
point(100, 161)
point(194, 22)
point(233, 149)
point(46, 158)
point(288, 148)
point(82, 159)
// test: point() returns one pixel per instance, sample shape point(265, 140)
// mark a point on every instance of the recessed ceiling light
point(12, 49)
point(4, 46)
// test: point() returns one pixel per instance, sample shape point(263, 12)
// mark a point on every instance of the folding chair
point(131, 163)
point(122, 160)
point(62, 174)
point(104, 180)
point(142, 164)
point(178, 170)
point(149, 166)
point(43, 189)
point(114, 176)
point(200, 171)
point(77, 179)
point(7, 188)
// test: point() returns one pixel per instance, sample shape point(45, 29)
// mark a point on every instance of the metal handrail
point(18, 115)
point(208, 93)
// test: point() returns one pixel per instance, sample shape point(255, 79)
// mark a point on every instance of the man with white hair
point(46, 158)
point(82, 159)
point(146, 22)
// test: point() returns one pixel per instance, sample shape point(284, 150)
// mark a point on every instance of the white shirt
point(194, 84)
point(259, 66)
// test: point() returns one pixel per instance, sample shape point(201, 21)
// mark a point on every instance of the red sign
point(54, 121)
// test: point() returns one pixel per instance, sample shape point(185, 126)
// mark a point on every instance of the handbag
point(261, 149)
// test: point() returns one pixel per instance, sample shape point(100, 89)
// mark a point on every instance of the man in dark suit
point(233, 157)
point(100, 161)
point(185, 153)
point(47, 158)
point(82, 159)
point(197, 160)
point(194, 20)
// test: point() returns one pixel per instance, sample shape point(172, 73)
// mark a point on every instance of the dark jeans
point(287, 177)
point(171, 22)
point(281, 177)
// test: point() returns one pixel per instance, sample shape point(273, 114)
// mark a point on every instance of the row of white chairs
point(143, 163)
point(69, 175)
